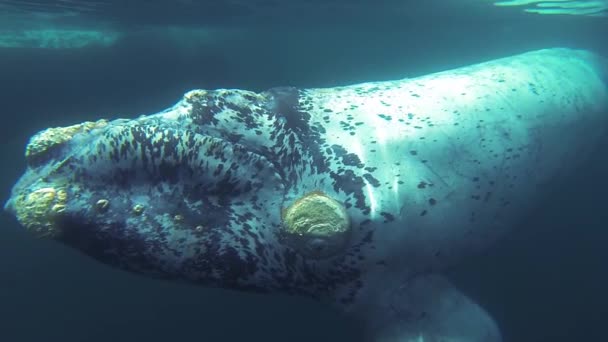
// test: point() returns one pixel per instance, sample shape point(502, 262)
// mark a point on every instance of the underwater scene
point(304, 170)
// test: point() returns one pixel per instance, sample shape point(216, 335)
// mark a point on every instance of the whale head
point(197, 192)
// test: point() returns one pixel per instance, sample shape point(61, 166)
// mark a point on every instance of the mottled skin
point(429, 170)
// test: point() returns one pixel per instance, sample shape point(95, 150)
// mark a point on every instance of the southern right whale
point(357, 195)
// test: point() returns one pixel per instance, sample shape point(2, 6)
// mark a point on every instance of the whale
point(359, 196)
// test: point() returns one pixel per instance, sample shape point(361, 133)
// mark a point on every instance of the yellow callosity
point(37, 210)
point(316, 225)
point(51, 137)
point(138, 209)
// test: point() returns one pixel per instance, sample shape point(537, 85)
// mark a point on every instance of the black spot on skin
point(351, 184)
point(349, 159)
point(369, 237)
point(422, 185)
point(413, 153)
point(385, 117)
point(285, 105)
point(373, 181)
point(387, 217)
point(423, 213)
point(202, 113)
point(432, 201)
point(168, 172)
point(234, 137)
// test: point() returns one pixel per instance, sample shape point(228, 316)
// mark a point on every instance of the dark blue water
point(545, 283)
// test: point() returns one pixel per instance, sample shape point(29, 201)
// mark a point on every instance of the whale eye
point(316, 226)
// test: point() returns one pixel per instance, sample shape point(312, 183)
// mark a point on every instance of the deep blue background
point(546, 282)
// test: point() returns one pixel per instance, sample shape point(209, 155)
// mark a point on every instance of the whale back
point(450, 161)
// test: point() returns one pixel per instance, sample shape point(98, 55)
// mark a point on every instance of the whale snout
point(151, 196)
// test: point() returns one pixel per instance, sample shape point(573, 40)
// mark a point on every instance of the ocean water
point(80, 61)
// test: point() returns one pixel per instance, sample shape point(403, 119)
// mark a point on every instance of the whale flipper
point(423, 308)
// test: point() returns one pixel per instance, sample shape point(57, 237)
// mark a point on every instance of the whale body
point(360, 196)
